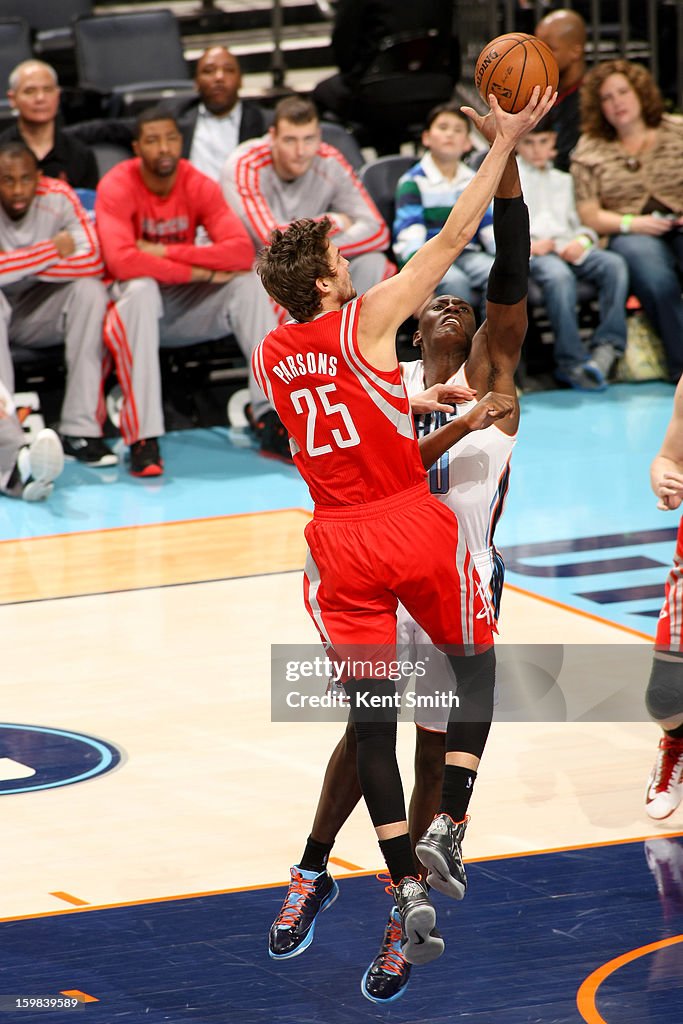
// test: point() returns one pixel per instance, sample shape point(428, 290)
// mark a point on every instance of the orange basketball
point(510, 66)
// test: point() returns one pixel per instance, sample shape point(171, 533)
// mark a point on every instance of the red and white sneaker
point(665, 785)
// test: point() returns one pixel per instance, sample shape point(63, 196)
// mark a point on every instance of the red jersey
point(126, 211)
point(350, 426)
point(670, 624)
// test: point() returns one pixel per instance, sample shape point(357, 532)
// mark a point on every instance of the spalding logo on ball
point(511, 66)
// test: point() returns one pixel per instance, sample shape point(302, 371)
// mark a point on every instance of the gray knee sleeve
point(664, 696)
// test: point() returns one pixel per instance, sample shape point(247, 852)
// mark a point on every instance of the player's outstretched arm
point(666, 471)
point(389, 303)
point(489, 410)
point(506, 309)
point(434, 399)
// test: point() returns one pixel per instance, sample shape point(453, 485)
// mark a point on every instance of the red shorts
point(364, 559)
point(670, 625)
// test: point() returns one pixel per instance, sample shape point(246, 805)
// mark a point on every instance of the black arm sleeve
point(510, 271)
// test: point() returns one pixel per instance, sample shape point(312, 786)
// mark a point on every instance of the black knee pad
point(475, 680)
point(375, 728)
point(372, 701)
point(664, 696)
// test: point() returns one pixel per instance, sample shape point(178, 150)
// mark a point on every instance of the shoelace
point(291, 912)
point(385, 877)
point(391, 959)
point(671, 754)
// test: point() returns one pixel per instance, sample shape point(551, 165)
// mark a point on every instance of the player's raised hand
point(484, 123)
point(435, 398)
point(492, 407)
point(511, 127)
point(669, 491)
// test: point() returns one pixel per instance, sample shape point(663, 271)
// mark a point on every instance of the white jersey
point(472, 478)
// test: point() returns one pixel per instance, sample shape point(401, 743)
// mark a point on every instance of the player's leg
point(445, 596)
point(131, 333)
point(27, 470)
point(388, 975)
point(6, 364)
point(664, 699)
point(250, 316)
point(85, 304)
point(430, 750)
point(440, 849)
point(380, 782)
point(73, 312)
point(340, 792)
point(348, 601)
point(312, 889)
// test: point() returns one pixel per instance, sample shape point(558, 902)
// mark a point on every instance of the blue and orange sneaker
point(307, 896)
point(387, 976)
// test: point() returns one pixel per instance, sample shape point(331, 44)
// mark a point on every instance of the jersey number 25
point(313, 401)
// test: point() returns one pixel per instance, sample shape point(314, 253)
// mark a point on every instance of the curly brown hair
point(593, 121)
point(290, 265)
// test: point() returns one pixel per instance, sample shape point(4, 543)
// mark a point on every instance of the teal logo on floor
point(33, 757)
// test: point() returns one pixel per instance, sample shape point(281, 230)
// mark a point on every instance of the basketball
point(510, 66)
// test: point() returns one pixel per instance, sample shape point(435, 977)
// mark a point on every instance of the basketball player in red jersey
point(664, 698)
point(334, 379)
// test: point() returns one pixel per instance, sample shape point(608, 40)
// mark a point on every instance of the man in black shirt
point(216, 120)
point(362, 30)
point(564, 32)
point(34, 94)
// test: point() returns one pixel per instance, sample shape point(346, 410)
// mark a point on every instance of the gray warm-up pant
point(11, 435)
point(36, 314)
point(146, 315)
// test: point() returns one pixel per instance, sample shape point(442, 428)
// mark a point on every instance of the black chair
point(412, 72)
point(131, 60)
point(108, 154)
point(380, 178)
point(50, 23)
point(336, 135)
point(15, 46)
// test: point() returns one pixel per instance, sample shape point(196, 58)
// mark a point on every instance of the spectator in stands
point(51, 291)
point(564, 251)
point(628, 176)
point(165, 287)
point(27, 470)
point(34, 94)
point(564, 32)
point(216, 120)
point(425, 195)
point(361, 28)
point(292, 173)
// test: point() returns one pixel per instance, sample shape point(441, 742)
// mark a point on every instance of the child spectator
point(564, 251)
point(425, 195)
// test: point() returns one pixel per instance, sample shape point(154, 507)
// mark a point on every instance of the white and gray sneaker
point(440, 850)
point(421, 941)
point(39, 464)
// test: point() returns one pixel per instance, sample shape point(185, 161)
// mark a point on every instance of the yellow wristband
point(626, 222)
point(585, 241)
